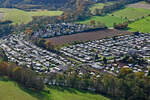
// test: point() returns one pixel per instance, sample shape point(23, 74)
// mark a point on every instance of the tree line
point(22, 75)
point(6, 28)
point(127, 85)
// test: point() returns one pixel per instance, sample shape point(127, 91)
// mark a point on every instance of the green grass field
point(9, 90)
point(120, 16)
point(107, 20)
point(142, 25)
point(131, 13)
point(71, 94)
point(99, 6)
point(20, 16)
point(96, 6)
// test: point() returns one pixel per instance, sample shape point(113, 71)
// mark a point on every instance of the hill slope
point(9, 90)
point(20, 16)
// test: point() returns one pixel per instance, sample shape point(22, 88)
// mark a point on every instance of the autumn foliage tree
point(23, 76)
point(92, 22)
point(49, 44)
point(121, 25)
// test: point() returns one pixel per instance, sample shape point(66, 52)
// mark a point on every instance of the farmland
point(20, 16)
point(99, 6)
point(10, 90)
point(87, 36)
point(96, 6)
point(108, 20)
point(142, 25)
point(131, 13)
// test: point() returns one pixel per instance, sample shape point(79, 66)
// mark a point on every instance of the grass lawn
point(142, 25)
point(108, 20)
point(131, 13)
point(9, 90)
point(20, 16)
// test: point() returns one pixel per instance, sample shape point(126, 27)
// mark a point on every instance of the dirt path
point(140, 5)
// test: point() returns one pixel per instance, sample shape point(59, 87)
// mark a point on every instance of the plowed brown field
point(87, 36)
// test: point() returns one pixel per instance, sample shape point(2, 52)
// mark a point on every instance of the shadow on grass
point(128, 28)
point(46, 93)
point(42, 95)
point(5, 79)
point(70, 90)
point(74, 91)
point(62, 89)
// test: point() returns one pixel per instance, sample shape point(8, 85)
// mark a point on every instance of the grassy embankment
point(10, 90)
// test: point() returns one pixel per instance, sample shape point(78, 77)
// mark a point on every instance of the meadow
point(10, 90)
point(131, 13)
point(99, 6)
point(119, 16)
point(142, 25)
point(20, 16)
point(108, 20)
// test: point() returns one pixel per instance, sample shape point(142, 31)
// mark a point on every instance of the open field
point(120, 16)
point(99, 6)
point(96, 6)
point(131, 13)
point(45, 13)
point(10, 90)
point(108, 20)
point(86, 36)
point(20, 16)
point(142, 25)
point(140, 5)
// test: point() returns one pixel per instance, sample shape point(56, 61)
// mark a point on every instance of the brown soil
point(86, 36)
